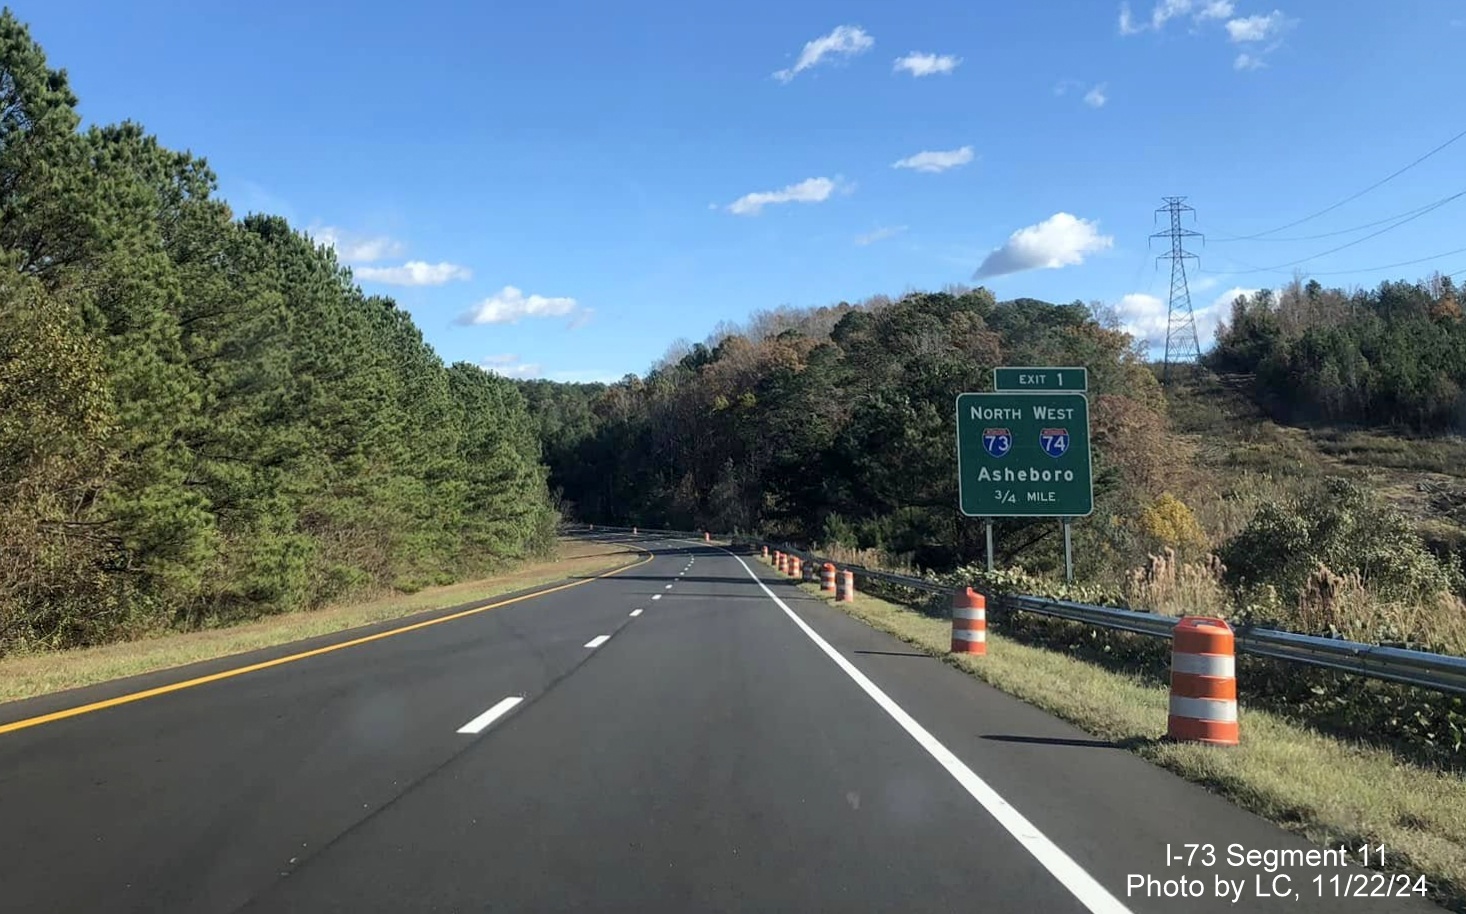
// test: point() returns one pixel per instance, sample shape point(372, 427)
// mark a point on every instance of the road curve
point(691, 734)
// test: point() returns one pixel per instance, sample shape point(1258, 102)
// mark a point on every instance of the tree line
point(203, 418)
point(1390, 356)
point(838, 425)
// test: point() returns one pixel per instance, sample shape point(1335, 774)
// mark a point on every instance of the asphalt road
point(691, 734)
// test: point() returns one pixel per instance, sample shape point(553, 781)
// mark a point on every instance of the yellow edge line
point(280, 661)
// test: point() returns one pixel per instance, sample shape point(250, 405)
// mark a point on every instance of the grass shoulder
point(1327, 790)
point(30, 675)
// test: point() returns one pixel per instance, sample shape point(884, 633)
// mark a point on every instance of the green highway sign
point(1044, 378)
point(1024, 454)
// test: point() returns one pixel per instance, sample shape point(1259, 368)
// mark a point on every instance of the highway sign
point(1024, 454)
point(1047, 377)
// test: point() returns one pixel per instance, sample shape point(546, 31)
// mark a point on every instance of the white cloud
point(919, 64)
point(1127, 21)
point(880, 234)
point(354, 248)
point(1222, 304)
point(1257, 28)
point(844, 41)
point(1094, 96)
point(810, 190)
point(585, 376)
point(1246, 61)
point(1216, 9)
point(581, 318)
point(1061, 240)
point(414, 273)
point(510, 366)
point(1167, 10)
point(935, 161)
point(1145, 316)
point(510, 305)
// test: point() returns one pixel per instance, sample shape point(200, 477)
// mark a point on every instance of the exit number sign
point(1040, 379)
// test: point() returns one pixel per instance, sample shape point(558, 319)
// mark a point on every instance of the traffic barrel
point(1203, 682)
point(845, 587)
point(827, 577)
point(779, 560)
point(707, 537)
point(795, 567)
point(766, 552)
point(969, 622)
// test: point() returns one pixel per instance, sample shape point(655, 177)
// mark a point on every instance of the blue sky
point(561, 189)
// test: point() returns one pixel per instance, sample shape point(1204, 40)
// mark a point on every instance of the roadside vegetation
point(203, 419)
point(26, 675)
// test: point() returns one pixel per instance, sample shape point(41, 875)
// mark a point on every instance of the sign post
point(1068, 552)
point(988, 523)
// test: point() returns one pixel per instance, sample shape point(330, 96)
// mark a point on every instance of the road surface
point(690, 734)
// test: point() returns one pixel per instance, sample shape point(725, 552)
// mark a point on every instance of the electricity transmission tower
point(1182, 345)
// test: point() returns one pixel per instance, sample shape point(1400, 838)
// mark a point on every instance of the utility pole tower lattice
point(1182, 345)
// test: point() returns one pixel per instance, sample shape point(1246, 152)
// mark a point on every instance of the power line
point(1385, 266)
point(1347, 231)
point(1429, 209)
point(1329, 209)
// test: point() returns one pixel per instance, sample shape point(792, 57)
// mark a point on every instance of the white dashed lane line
point(481, 723)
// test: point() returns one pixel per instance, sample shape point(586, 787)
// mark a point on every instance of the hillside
point(1423, 476)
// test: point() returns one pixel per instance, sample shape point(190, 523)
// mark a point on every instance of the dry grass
point(864, 558)
point(1176, 588)
point(1341, 604)
point(28, 675)
point(1324, 789)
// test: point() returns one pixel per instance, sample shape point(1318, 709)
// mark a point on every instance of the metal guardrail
point(1438, 672)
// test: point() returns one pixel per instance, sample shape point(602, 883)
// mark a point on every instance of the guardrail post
point(845, 587)
point(827, 577)
point(969, 623)
point(1203, 682)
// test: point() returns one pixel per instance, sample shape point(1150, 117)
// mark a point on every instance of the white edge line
point(598, 640)
point(480, 723)
point(1071, 875)
point(636, 612)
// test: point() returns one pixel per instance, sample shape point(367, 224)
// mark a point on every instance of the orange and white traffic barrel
point(827, 577)
point(845, 587)
point(766, 552)
point(795, 566)
point(779, 560)
point(707, 537)
point(969, 622)
point(1203, 682)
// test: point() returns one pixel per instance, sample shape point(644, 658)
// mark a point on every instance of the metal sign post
point(988, 523)
point(1068, 552)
